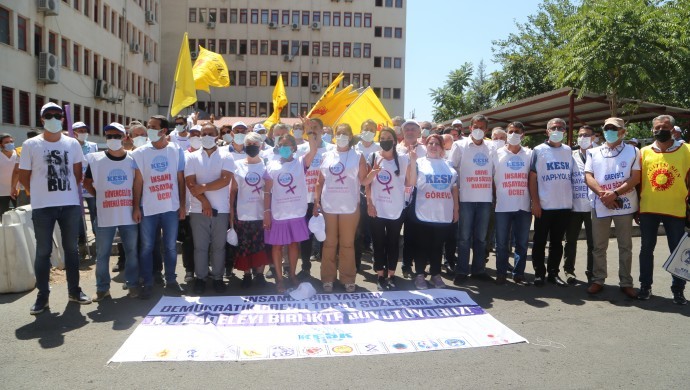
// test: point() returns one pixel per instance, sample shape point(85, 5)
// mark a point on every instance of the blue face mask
point(9, 147)
point(285, 152)
point(611, 136)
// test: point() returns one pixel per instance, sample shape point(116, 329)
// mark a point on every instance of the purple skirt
point(286, 231)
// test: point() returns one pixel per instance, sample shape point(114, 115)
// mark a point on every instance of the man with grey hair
point(552, 199)
point(397, 122)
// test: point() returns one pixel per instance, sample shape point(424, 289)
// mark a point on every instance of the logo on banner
point(313, 351)
point(337, 170)
point(285, 180)
point(624, 164)
point(280, 351)
point(253, 179)
point(427, 344)
point(515, 163)
point(342, 349)
point(400, 346)
point(159, 163)
point(384, 177)
point(480, 159)
point(116, 176)
point(455, 343)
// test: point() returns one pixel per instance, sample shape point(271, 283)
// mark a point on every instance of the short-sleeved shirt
point(159, 169)
point(208, 169)
point(6, 168)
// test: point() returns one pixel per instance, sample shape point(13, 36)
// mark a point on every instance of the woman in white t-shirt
point(435, 207)
point(337, 195)
point(385, 183)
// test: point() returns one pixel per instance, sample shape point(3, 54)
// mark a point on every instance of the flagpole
point(172, 94)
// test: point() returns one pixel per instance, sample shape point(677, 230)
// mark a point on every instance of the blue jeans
point(148, 229)
point(91, 205)
point(104, 242)
point(44, 219)
point(519, 222)
point(474, 222)
point(649, 225)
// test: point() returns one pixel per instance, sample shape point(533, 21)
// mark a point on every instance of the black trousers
point(451, 244)
point(428, 246)
point(552, 224)
point(571, 235)
point(385, 235)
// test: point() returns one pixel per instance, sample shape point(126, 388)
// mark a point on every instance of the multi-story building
point(307, 41)
point(102, 57)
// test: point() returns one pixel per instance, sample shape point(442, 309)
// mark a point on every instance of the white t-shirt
point(312, 174)
point(419, 149)
point(6, 168)
point(208, 169)
point(435, 181)
point(87, 148)
point(302, 149)
point(581, 201)
point(388, 189)
point(367, 151)
point(340, 171)
point(474, 164)
point(188, 195)
point(512, 179)
point(113, 182)
point(250, 184)
point(289, 191)
point(159, 169)
point(611, 168)
point(51, 165)
point(553, 166)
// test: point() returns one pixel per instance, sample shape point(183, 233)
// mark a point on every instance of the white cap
point(317, 225)
point(113, 126)
point(195, 128)
point(410, 122)
point(79, 125)
point(676, 128)
point(50, 106)
point(456, 122)
point(304, 291)
point(237, 124)
point(258, 127)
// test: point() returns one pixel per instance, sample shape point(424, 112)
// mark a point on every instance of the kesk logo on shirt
point(253, 179)
point(384, 177)
point(337, 170)
point(480, 159)
point(515, 163)
point(116, 176)
point(439, 182)
point(159, 163)
point(285, 180)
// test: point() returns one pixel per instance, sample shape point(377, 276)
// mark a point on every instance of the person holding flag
point(279, 102)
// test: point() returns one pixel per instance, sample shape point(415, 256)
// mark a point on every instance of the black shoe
point(270, 273)
point(381, 284)
point(539, 281)
point(116, 268)
point(80, 298)
point(679, 298)
point(246, 281)
point(390, 284)
point(219, 286)
point(501, 280)
point(304, 274)
point(259, 280)
point(484, 277)
point(645, 293)
point(199, 286)
point(450, 269)
point(407, 273)
point(555, 279)
point(146, 292)
point(158, 278)
point(589, 276)
point(460, 279)
point(510, 269)
point(174, 288)
point(40, 306)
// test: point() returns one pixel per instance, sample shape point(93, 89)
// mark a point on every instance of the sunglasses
point(51, 116)
point(113, 136)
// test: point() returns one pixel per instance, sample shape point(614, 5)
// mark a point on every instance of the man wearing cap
point(263, 132)
point(457, 126)
point(551, 190)
point(278, 130)
point(184, 227)
point(236, 140)
point(50, 168)
point(159, 194)
point(81, 133)
point(473, 159)
point(663, 199)
point(180, 136)
point(612, 171)
point(678, 134)
point(109, 179)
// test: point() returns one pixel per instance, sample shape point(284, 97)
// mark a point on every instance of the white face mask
point(153, 135)
point(179, 128)
point(208, 141)
point(53, 125)
point(139, 141)
point(556, 136)
point(426, 132)
point(477, 134)
point(227, 138)
point(596, 140)
point(298, 133)
point(82, 136)
point(499, 143)
point(239, 138)
point(263, 137)
point(514, 139)
point(195, 142)
point(584, 142)
point(342, 141)
point(114, 144)
point(367, 136)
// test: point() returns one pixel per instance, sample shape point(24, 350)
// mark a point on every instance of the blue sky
point(443, 34)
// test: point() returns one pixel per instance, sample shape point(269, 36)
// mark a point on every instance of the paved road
point(575, 342)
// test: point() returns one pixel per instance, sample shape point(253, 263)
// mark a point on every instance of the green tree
point(448, 100)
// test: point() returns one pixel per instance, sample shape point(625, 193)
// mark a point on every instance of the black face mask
point(662, 135)
point(386, 145)
point(252, 150)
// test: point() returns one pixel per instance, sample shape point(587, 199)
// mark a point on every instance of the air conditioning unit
point(287, 58)
point(148, 57)
point(102, 89)
point(239, 57)
point(210, 25)
point(150, 17)
point(194, 55)
point(49, 7)
point(134, 47)
point(273, 25)
point(316, 26)
point(48, 68)
point(147, 101)
point(295, 27)
point(315, 88)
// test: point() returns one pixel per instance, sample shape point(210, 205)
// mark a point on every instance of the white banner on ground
point(278, 327)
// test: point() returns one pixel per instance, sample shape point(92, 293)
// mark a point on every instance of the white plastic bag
point(317, 225)
point(231, 237)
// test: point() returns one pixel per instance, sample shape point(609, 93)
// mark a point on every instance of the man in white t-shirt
point(159, 199)
point(612, 171)
point(8, 173)
point(81, 133)
point(366, 146)
point(207, 175)
point(180, 136)
point(50, 168)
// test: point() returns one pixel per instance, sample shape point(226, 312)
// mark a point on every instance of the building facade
point(307, 41)
point(102, 57)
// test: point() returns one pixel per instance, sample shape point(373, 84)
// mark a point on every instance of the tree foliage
point(462, 93)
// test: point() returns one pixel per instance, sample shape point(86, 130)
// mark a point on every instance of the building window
point(336, 19)
point(346, 49)
point(396, 93)
point(386, 93)
point(386, 62)
point(377, 62)
point(63, 52)
point(315, 77)
point(233, 15)
point(305, 48)
point(252, 78)
point(316, 16)
point(263, 78)
point(87, 116)
point(263, 49)
point(387, 32)
point(255, 16)
point(252, 109)
point(357, 50)
point(285, 17)
point(397, 62)
point(389, 3)
point(295, 48)
point(243, 16)
point(7, 105)
point(304, 79)
point(242, 78)
point(24, 103)
point(366, 80)
point(346, 79)
point(232, 109)
point(222, 46)
point(284, 48)
point(39, 101)
point(38, 40)
point(326, 18)
point(295, 17)
point(21, 34)
point(212, 15)
point(253, 47)
point(87, 61)
point(52, 43)
point(223, 15)
point(377, 91)
point(232, 46)
point(315, 49)
point(398, 4)
point(355, 80)
point(273, 80)
point(325, 79)
point(378, 3)
point(275, 16)
point(294, 107)
point(77, 112)
point(326, 49)
point(336, 49)
point(5, 26)
point(358, 19)
point(367, 20)
point(367, 50)
point(211, 45)
point(75, 58)
point(398, 32)
point(202, 15)
point(243, 47)
point(274, 47)
point(264, 16)
point(294, 79)
point(233, 77)
point(305, 18)
point(347, 19)
point(377, 31)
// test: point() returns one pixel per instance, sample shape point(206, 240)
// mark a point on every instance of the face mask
point(53, 125)
point(367, 136)
point(9, 147)
point(426, 132)
point(179, 128)
point(327, 138)
point(82, 137)
point(611, 136)
point(342, 141)
point(662, 135)
point(387, 145)
point(499, 143)
point(285, 152)
point(556, 136)
point(195, 142)
point(478, 134)
point(263, 137)
point(227, 138)
point(298, 133)
point(139, 141)
point(208, 142)
point(252, 150)
point(584, 142)
point(114, 144)
point(153, 135)
point(514, 139)
point(239, 138)
point(398, 130)
point(596, 140)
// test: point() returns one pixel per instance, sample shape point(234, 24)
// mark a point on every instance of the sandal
point(350, 287)
point(328, 287)
point(280, 287)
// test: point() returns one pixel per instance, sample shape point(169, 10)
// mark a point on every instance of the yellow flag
point(319, 106)
point(185, 92)
point(210, 70)
point(279, 102)
point(334, 107)
point(366, 106)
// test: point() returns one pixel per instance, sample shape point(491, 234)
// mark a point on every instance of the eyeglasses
point(557, 128)
point(113, 136)
point(51, 116)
